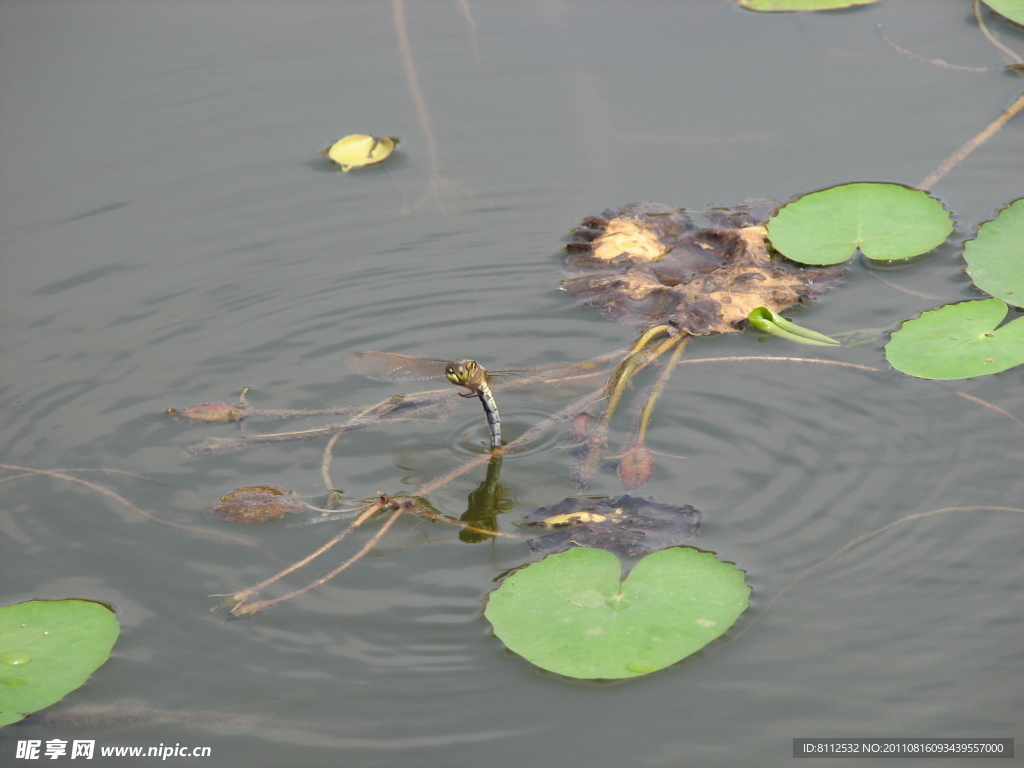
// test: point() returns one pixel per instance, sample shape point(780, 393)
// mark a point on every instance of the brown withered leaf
point(213, 412)
point(256, 504)
point(646, 264)
point(626, 525)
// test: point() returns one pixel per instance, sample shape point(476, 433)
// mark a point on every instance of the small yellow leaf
point(573, 518)
point(360, 149)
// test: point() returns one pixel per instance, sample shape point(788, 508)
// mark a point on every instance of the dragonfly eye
point(456, 373)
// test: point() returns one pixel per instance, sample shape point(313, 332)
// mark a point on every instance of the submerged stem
point(237, 601)
point(122, 501)
point(475, 529)
point(648, 407)
point(856, 542)
point(961, 154)
point(638, 358)
point(990, 130)
point(241, 609)
point(1009, 54)
point(634, 361)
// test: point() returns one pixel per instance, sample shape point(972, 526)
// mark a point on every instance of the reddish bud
point(580, 427)
point(636, 466)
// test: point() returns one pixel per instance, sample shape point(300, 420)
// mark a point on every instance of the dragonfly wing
point(566, 377)
point(387, 366)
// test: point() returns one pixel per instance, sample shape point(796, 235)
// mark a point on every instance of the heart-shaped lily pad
point(48, 648)
point(1011, 9)
point(995, 258)
point(958, 341)
point(570, 613)
point(885, 221)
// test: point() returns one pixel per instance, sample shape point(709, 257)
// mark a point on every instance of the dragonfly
point(469, 374)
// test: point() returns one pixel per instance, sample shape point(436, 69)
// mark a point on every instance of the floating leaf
point(213, 412)
point(774, 6)
point(1011, 9)
point(958, 341)
point(48, 648)
point(995, 258)
point(626, 525)
point(256, 504)
point(885, 221)
point(569, 613)
point(360, 149)
point(646, 264)
point(763, 319)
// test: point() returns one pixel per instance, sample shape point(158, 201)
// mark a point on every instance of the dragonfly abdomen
point(491, 410)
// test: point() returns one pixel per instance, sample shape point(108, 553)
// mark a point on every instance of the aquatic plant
point(573, 613)
point(671, 275)
point(359, 150)
point(48, 648)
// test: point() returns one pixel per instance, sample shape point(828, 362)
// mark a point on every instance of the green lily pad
point(958, 341)
point(773, 6)
point(1011, 9)
point(774, 324)
point(48, 648)
point(995, 258)
point(885, 221)
point(569, 613)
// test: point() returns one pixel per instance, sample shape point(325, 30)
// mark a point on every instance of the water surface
point(169, 235)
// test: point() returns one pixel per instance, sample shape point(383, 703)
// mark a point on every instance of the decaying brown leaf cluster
point(625, 525)
point(646, 264)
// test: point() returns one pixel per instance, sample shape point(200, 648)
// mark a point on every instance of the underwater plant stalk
point(647, 408)
point(631, 364)
point(241, 609)
point(636, 464)
point(236, 602)
point(121, 501)
point(635, 361)
point(992, 128)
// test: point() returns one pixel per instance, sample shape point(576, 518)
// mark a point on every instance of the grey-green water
point(169, 236)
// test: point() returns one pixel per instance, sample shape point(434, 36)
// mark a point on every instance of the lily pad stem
point(630, 365)
point(242, 609)
point(648, 407)
point(237, 602)
point(991, 129)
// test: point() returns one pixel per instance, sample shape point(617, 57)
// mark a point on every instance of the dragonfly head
point(464, 373)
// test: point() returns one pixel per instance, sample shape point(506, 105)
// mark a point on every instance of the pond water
point(169, 235)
